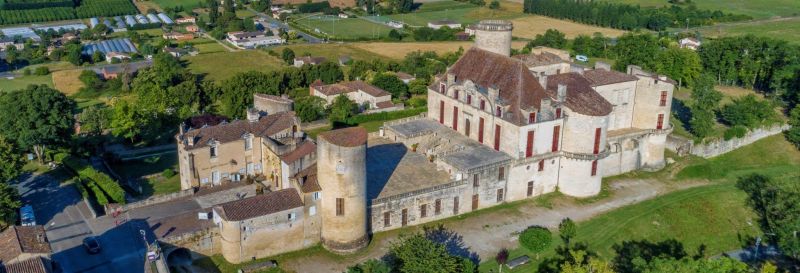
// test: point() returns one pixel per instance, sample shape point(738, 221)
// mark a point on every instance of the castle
point(499, 128)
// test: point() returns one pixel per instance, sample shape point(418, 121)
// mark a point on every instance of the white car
point(582, 58)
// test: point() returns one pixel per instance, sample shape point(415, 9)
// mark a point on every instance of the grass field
point(714, 215)
point(754, 8)
point(22, 82)
point(528, 26)
point(330, 51)
point(338, 28)
point(400, 50)
point(222, 65)
point(148, 167)
point(785, 28)
point(456, 11)
point(186, 4)
point(67, 81)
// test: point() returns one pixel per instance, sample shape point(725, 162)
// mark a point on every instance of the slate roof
point(308, 179)
point(545, 58)
point(266, 126)
point(259, 205)
point(517, 85)
point(581, 97)
point(347, 137)
point(351, 86)
point(305, 148)
point(599, 77)
point(32, 265)
point(17, 240)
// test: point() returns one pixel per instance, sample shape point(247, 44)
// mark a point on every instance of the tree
point(309, 108)
point(593, 265)
point(95, 119)
point(777, 204)
point(418, 254)
point(74, 53)
point(748, 111)
point(535, 238)
point(706, 100)
point(36, 117)
point(237, 92)
point(418, 86)
point(391, 83)
point(97, 57)
point(9, 204)
point(10, 161)
point(494, 4)
point(288, 56)
point(687, 265)
point(680, 64)
point(11, 55)
point(126, 121)
point(262, 5)
point(632, 253)
point(567, 230)
point(551, 38)
point(793, 134)
point(636, 49)
point(341, 109)
point(395, 35)
point(501, 258)
point(370, 266)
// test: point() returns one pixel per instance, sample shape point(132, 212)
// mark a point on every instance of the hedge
point(313, 7)
point(536, 238)
point(104, 184)
point(382, 116)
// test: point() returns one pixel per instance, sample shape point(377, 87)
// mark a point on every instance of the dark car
point(92, 245)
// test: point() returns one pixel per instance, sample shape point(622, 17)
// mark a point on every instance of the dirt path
point(487, 233)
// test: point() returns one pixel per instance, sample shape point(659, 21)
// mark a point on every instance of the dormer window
point(469, 99)
point(532, 117)
point(498, 111)
point(558, 112)
point(483, 105)
point(213, 150)
point(441, 88)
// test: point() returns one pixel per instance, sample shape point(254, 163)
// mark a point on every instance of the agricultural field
point(457, 11)
point(757, 9)
point(527, 27)
point(338, 28)
point(86, 9)
point(330, 51)
point(186, 4)
point(400, 50)
point(67, 81)
point(211, 65)
point(787, 29)
point(22, 82)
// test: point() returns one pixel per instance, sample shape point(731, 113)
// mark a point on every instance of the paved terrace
point(393, 169)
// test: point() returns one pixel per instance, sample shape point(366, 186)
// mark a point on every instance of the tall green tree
point(288, 56)
point(95, 119)
point(418, 254)
point(341, 109)
point(10, 161)
point(777, 204)
point(567, 230)
point(636, 49)
point(793, 134)
point(392, 84)
point(36, 117)
point(680, 64)
point(550, 38)
point(9, 204)
point(705, 101)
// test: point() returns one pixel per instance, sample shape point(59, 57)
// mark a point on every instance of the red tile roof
point(259, 205)
point(599, 77)
point(16, 240)
point(347, 137)
point(32, 265)
point(581, 97)
point(305, 148)
point(308, 179)
point(384, 104)
point(517, 85)
point(352, 86)
point(545, 58)
point(226, 132)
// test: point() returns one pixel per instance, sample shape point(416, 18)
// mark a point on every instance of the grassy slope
point(712, 215)
point(786, 29)
point(22, 82)
point(350, 28)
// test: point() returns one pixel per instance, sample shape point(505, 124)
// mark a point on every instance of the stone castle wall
point(718, 147)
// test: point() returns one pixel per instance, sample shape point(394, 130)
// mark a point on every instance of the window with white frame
point(312, 210)
point(317, 195)
point(292, 216)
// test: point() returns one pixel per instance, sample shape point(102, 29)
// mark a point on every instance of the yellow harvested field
point(67, 81)
point(528, 26)
point(735, 91)
point(400, 50)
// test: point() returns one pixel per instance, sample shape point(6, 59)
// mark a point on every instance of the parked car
point(92, 245)
point(582, 58)
point(27, 218)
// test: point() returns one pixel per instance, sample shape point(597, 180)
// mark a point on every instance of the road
point(68, 220)
point(308, 37)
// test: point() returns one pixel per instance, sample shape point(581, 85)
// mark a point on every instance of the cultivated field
point(400, 50)
point(222, 65)
point(67, 81)
point(331, 51)
point(461, 14)
point(338, 28)
point(186, 4)
point(529, 26)
point(754, 8)
point(787, 29)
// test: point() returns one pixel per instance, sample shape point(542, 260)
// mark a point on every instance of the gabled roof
point(351, 86)
point(32, 265)
point(266, 126)
point(599, 77)
point(16, 240)
point(305, 148)
point(517, 85)
point(259, 205)
point(544, 58)
point(581, 97)
point(308, 179)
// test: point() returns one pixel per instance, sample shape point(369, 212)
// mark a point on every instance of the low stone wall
point(205, 242)
point(718, 147)
point(678, 144)
point(158, 199)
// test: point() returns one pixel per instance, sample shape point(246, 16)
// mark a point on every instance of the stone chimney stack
point(182, 129)
point(190, 140)
point(253, 115)
point(451, 79)
point(494, 93)
point(561, 94)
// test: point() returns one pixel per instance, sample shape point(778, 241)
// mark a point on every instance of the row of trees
point(626, 16)
point(34, 4)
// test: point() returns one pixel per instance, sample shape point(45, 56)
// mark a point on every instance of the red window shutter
point(441, 112)
point(556, 132)
point(483, 105)
point(466, 127)
point(541, 165)
point(480, 130)
point(529, 145)
point(594, 168)
point(558, 112)
point(597, 141)
point(498, 111)
point(663, 101)
point(455, 118)
point(497, 137)
point(660, 124)
point(532, 117)
point(469, 99)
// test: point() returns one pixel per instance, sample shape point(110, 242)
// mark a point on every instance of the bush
point(417, 102)
point(737, 131)
point(103, 183)
point(355, 120)
point(536, 238)
point(98, 193)
point(41, 71)
point(26, 72)
point(748, 111)
point(59, 157)
point(168, 173)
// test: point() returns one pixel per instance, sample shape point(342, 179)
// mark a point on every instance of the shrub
point(98, 193)
point(41, 71)
point(168, 173)
point(417, 102)
point(104, 185)
point(59, 157)
point(536, 238)
point(26, 72)
point(737, 131)
point(81, 188)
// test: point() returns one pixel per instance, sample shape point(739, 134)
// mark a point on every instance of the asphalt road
point(68, 220)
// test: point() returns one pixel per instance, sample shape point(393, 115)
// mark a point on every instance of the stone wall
point(158, 199)
point(206, 242)
point(718, 147)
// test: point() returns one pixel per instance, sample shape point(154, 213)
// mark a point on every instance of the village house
point(192, 28)
point(20, 243)
point(186, 20)
point(300, 61)
point(5, 42)
point(690, 43)
point(371, 98)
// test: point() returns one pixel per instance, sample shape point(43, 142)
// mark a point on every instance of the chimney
point(602, 65)
point(494, 93)
point(451, 79)
point(577, 69)
point(253, 115)
point(543, 80)
point(40, 238)
point(561, 95)
point(182, 129)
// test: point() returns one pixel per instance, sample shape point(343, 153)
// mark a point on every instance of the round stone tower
point(494, 36)
point(342, 174)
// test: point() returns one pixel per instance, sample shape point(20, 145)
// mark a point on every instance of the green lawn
point(186, 4)
point(222, 65)
point(459, 13)
point(338, 28)
point(331, 51)
point(152, 166)
point(714, 216)
point(754, 8)
point(785, 29)
point(22, 82)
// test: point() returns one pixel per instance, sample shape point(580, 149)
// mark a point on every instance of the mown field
point(21, 82)
point(456, 11)
point(338, 28)
point(755, 8)
point(787, 29)
point(714, 216)
point(222, 65)
point(186, 4)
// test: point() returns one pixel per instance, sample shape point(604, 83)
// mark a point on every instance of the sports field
point(755, 8)
point(339, 28)
point(457, 11)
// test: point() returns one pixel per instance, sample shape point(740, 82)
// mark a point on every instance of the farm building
point(164, 18)
point(141, 19)
point(130, 20)
point(67, 27)
point(253, 39)
point(123, 45)
point(360, 92)
point(178, 36)
point(93, 22)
